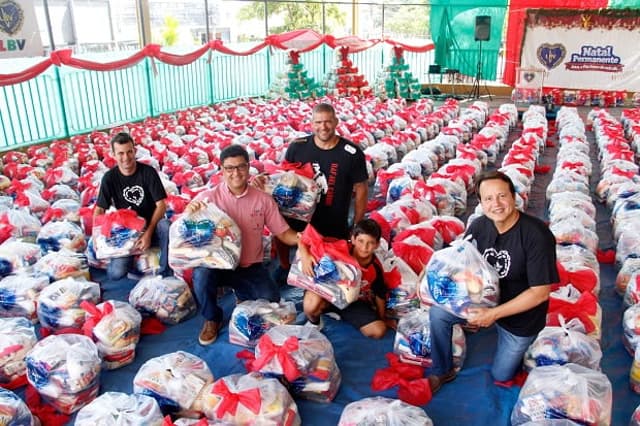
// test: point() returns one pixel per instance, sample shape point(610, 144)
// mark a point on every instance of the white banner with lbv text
point(19, 34)
point(579, 58)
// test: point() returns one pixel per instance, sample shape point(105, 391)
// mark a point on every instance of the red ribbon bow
point(269, 350)
point(337, 250)
point(53, 213)
point(94, 316)
point(123, 217)
point(229, 404)
point(301, 169)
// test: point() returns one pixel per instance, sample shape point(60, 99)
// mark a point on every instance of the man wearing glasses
point(252, 210)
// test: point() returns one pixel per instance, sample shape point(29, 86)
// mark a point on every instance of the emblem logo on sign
point(11, 17)
point(551, 55)
point(528, 76)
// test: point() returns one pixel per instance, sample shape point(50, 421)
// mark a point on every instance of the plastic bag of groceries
point(116, 232)
point(174, 380)
point(207, 237)
point(54, 236)
point(17, 337)
point(16, 256)
point(413, 340)
point(59, 303)
point(19, 295)
point(336, 274)
point(167, 298)
point(13, 410)
point(458, 278)
point(117, 408)
point(252, 318)
point(114, 326)
point(260, 400)
point(65, 370)
point(295, 191)
point(303, 357)
point(62, 264)
point(379, 410)
point(631, 328)
point(568, 303)
point(402, 285)
point(567, 343)
point(570, 391)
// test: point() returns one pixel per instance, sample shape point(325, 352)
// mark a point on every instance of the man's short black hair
point(234, 150)
point(368, 227)
point(494, 174)
point(121, 138)
point(324, 107)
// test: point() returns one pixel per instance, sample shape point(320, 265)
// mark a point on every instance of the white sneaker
point(319, 326)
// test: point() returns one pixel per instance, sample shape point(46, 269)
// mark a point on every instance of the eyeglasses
point(239, 168)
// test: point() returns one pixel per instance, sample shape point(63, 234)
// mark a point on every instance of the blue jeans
point(507, 360)
point(119, 267)
point(509, 354)
point(249, 283)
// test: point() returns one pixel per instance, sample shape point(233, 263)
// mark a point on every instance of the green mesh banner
point(453, 24)
point(624, 4)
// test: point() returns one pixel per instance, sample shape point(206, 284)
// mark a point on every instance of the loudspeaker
point(483, 28)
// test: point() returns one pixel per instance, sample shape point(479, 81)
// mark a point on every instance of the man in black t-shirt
point(136, 186)
point(523, 252)
point(341, 171)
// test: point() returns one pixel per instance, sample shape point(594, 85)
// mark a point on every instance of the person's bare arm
point(361, 190)
point(292, 238)
point(485, 317)
point(144, 242)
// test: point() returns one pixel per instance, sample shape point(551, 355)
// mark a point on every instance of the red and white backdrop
point(584, 49)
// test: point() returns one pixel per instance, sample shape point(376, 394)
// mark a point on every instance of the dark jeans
point(249, 283)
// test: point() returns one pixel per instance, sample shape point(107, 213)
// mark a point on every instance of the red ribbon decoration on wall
point(300, 40)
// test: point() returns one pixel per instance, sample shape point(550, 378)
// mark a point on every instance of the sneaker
point(318, 326)
point(209, 332)
point(280, 275)
point(436, 382)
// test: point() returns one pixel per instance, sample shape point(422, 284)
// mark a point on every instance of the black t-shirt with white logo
point(524, 256)
point(337, 170)
point(139, 192)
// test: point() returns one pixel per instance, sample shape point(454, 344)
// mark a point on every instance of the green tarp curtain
point(453, 32)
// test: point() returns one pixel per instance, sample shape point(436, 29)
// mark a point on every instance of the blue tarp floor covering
point(472, 399)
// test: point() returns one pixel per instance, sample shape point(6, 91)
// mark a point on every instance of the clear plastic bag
point(174, 380)
point(378, 410)
point(303, 357)
point(120, 409)
point(457, 278)
point(13, 411)
point(264, 401)
point(17, 337)
point(252, 318)
point(207, 237)
point(65, 370)
point(59, 303)
point(570, 391)
point(169, 299)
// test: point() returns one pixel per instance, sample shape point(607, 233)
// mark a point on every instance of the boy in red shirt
point(368, 312)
